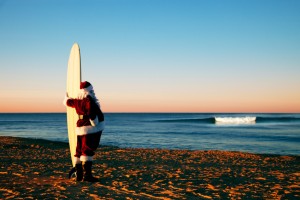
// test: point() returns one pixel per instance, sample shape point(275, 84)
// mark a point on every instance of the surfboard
point(73, 87)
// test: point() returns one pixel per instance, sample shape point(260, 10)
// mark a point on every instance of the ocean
point(268, 133)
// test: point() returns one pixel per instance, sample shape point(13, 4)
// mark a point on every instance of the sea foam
point(235, 120)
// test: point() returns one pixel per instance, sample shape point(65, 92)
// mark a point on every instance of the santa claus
point(89, 129)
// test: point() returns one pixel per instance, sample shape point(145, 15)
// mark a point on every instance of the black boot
point(79, 172)
point(87, 166)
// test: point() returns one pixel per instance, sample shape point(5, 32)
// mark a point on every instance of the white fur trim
point(77, 160)
point(86, 158)
point(84, 130)
point(95, 121)
point(88, 89)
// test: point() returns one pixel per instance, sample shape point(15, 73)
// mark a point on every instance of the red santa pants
point(87, 145)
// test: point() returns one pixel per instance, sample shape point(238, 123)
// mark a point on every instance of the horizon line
point(158, 112)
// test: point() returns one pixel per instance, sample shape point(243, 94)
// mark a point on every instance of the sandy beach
point(38, 169)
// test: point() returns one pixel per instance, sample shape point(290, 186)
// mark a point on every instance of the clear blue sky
point(153, 55)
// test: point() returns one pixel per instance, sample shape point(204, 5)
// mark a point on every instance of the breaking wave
point(235, 120)
point(232, 120)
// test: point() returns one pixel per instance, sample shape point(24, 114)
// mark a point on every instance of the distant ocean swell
point(211, 120)
point(5, 122)
point(269, 133)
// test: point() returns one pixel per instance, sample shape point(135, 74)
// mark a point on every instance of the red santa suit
point(90, 123)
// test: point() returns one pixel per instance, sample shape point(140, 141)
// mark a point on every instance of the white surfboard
point(73, 87)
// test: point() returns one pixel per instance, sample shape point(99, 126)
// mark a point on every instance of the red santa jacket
point(91, 118)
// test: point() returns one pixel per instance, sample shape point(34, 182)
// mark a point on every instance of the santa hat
point(86, 86)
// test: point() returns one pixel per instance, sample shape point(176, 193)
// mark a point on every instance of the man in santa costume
point(89, 129)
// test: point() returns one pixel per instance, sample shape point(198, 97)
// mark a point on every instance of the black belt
point(83, 116)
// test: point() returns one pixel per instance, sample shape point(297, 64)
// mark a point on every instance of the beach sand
point(38, 169)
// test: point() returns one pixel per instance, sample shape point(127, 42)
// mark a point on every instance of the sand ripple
point(37, 169)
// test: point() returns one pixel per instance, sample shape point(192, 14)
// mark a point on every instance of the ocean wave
point(277, 119)
point(232, 120)
point(17, 122)
point(209, 120)
point(235, 120)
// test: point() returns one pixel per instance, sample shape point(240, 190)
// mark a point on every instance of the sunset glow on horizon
point(153, 56)
point(162, 104)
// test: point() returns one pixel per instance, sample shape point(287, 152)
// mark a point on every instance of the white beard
point(84, 93)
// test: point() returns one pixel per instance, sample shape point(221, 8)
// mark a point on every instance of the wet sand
point(38, 169)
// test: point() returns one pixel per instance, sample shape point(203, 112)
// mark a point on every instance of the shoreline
point(154, 148)
point(38, 168)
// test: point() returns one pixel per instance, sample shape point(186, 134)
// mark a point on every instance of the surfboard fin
point(71, 172)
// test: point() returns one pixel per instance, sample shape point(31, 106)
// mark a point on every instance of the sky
point(153, 55)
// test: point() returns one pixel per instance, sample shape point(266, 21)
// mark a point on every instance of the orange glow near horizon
point(206, 101)
point(15, 106)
